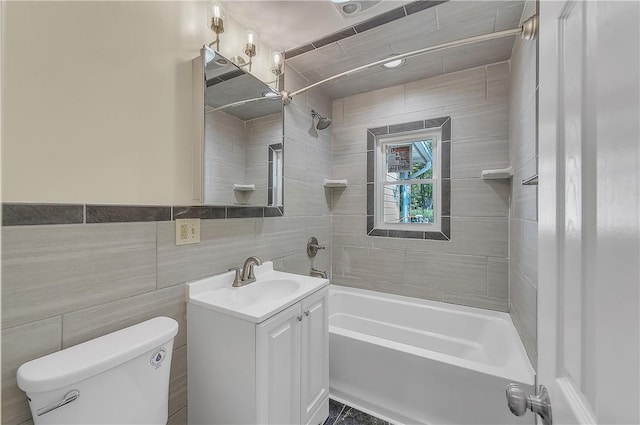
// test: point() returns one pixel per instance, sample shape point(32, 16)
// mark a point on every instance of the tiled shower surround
point(67, 283)
point(472, 267)
point(63, 284)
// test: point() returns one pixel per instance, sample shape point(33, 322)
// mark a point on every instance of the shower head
point(322, 121)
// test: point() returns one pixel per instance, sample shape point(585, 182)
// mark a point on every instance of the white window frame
point(380, 179)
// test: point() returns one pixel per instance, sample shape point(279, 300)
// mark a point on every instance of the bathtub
point(408, 360)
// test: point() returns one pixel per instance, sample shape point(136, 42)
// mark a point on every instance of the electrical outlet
point(187, 231)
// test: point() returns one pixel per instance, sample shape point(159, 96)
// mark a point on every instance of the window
point(409, 181)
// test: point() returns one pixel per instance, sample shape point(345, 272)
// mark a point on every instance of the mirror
point(242, 143)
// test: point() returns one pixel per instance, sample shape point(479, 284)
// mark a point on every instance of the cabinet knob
point(306, 313)
point(299, 318)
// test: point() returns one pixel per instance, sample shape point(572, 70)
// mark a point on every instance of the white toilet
point(119, 378)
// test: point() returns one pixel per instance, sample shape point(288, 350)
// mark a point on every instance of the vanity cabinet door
point(315, 354)
point(278, 368)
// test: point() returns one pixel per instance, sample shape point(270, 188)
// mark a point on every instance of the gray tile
point(83, 325)
point(379, 130)
point(523, 308)
point(35, 214)
point(479, 236)
point(223, 244)
point(376, 265)
point(370, 167)
point(450, 273)
point(51, 270)
point(371, 141)
point(524, 199)
point(279, 237)
point(473, 156)
point(178, 380)
point(126, 213)
point(523, 247)
point(422, 292)
point(497, 304)
point(480, 198)
point(351, 200)
point(498, 277)
point(19, 345)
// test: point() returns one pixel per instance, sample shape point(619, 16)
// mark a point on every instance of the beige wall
point(470, 269)
point(523, 235)
point(97, 99)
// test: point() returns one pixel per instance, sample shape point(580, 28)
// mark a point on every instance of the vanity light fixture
point(277, 60)
point(216, 23)
point(250, 46)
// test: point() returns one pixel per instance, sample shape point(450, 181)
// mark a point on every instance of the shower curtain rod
point(528, 30)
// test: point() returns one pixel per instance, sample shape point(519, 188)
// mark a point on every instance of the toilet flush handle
point(68, 398)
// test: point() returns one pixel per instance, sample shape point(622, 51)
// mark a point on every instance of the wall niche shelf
point(497, 173)
point(334, 183)
point(244, 187)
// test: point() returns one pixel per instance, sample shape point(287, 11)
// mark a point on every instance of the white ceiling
point(295, 23)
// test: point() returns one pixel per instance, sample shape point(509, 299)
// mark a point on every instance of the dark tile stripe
point(298, 51)
point(370, 167)
point(446, 131)
point(420, 5)
point(435, 122)
point(446, 160)
point(437, 236)
point(371, 141)
point(245, 212)
point(126, 213)
point(409, 234)
point(273, 212)
point(408, 126)
point(446, 197)
point(379, 130)
point(370, 198)
point(381, 19)
point(204, 213)
point(332, 38)
point(34, 214)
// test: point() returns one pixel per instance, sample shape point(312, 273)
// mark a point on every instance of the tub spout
point(318, 273)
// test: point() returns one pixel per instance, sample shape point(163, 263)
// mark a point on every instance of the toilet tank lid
point(82, 361)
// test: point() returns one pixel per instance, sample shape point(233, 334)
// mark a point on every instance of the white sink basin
point(272, 292)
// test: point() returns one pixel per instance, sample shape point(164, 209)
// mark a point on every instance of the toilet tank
point(119, 378)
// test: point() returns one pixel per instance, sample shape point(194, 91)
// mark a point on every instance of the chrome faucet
point(246, 276)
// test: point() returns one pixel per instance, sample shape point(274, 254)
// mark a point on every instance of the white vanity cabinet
point(272, 372)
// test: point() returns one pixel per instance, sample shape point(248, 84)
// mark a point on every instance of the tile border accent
point(17, 214)
point(376, 21)
point(33, 214)
point(444, 124)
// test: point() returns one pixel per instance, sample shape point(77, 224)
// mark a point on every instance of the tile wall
point(472, 268)
point(63, 284)
point(523, 224)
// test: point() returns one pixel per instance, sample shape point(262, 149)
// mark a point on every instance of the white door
point(315, 353)
point(278, 368)
point(589, 231)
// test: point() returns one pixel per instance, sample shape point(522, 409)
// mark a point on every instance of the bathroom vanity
point(258, 353)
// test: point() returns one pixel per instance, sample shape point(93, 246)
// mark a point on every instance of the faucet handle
point(252, 275)
point(236, 280)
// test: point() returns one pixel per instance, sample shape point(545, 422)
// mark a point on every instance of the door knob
point(519, 401)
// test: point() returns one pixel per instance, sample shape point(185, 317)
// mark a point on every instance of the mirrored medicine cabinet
point(239, 150)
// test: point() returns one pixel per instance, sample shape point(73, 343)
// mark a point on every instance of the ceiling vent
point(351, 8)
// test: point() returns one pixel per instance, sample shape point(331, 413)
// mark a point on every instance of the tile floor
point(341, 414)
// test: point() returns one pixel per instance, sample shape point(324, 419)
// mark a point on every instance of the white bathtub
point(410, 361)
